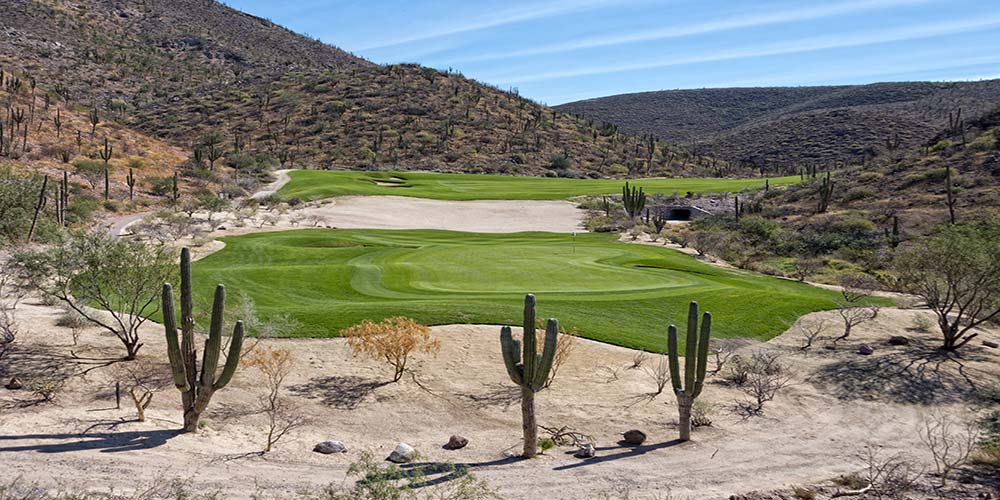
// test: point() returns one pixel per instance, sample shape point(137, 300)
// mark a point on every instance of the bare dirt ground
point(838, 402)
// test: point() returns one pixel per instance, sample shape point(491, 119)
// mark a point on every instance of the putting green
point(315, 184)
point(602, 289)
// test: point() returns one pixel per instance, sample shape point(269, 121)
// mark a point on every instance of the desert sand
point(839, 401)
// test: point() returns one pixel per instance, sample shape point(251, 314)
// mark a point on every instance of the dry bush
point(142, 379)
point(950, 439)
point(11, 294)
point(392, 340)
point(282, 416)
point(854, 316)
point(660, 374)
point(922, 324)
point(638, 358)
point(46, 388)
point(810, 331)
point(565, 345)
point(888, 477)
point(701, 413)
point(760, 376)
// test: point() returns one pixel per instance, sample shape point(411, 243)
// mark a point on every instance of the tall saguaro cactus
point(197, 390)
point(695, 362)
point(528, 368)
point(633, 200)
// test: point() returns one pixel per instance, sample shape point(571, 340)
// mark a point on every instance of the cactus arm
point(213, 345)
point(233, 359)
point(706, 330)
point(546, 358)
point(529, 345)
point(691, 347)
point(173, 346)
point(672, 357)
point(511, 350)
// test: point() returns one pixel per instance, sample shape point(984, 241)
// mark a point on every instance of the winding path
point(281, 178)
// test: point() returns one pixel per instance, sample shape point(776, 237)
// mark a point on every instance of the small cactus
point(197, 390)
point(695, 361)
point(528, 368)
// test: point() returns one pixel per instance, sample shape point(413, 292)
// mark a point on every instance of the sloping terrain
point(787, 127)
point(196, 73)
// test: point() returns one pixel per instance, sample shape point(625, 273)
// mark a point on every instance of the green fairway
point(603, 289)
point(315, 184)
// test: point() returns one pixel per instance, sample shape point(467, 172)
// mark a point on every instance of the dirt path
point(281, 178)
point(116, 225)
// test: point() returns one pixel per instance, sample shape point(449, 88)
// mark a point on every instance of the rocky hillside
point(785, 128)
point(201, 76)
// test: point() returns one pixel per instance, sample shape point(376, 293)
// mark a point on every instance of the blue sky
point(556, 51)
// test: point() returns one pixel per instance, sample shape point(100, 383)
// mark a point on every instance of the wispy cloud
point(912, 32)
point(523, 13)
point(811, 12)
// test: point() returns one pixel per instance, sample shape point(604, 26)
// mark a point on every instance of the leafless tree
point(638, 358)
point(810, 331)
point(760, 376)
point(142, 379)
point(950, 439)
point(889, 477)
point(11, 293)
point(282, 415)
point(660, 374)
point(854, 315)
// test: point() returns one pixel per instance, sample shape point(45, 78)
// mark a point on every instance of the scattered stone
point(898, 340)
point(991, 344)
point(865, 349)
point(329, 447)
point(586, 451)
point(402, 454)
point(456, 442)
point(14, 384)
point(221, 228)
point(634, 437)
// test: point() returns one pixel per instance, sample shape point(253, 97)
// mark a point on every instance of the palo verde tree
point(110, 282)
point(957, 274)
point(528, 368)
point(197, 390)
point(695, 362)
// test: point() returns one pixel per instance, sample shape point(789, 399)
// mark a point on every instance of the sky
point(557, 51)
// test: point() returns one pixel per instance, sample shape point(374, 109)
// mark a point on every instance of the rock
point(221, 228)
point(634, 437)
point(456, 443)
point(402, 454)
point(898, 340)
point(865, 349)
point(586, 451)
point(14, 384)
point(329, 447)
point(990, 344)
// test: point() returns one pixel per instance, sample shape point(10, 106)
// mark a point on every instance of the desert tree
point(112, 282)
point(274, 365)
point(11, 293)
point(142, 379)
point(854, 307)
point(392, 340)
point(659, 373)
point(956, 273)
point(809, 330)
point(761, 376)
point(950, 439)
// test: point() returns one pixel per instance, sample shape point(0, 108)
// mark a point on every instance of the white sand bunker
point(484, 216)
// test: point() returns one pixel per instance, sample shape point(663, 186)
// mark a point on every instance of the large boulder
point(403, 453)
point(330, 447)
point(899, 340)
point(634, 437)
point(865, 350)
point(456, 442)
point(15, 384)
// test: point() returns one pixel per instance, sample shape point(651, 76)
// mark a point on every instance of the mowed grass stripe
point(316, 184)
point(602, 289)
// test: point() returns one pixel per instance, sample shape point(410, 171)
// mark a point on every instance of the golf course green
point(316, 184)
point(600, 288)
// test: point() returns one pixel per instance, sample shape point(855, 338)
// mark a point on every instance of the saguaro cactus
point(197, 391)
point(695, 361)
point(529, 368)
point(633, 200)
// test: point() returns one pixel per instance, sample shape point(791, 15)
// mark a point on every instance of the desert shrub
point(701, 413)
point(950, 440)
point(803, 492)
point(565, 346)
point(18, 196)
point(859, 193)
point(142, 380)
point(759, 376)
point(46, 387)
point(393, 340)
point(888, 476)
point(659, 374)
point(372, 481)
point(921, 323)
point(282, 416)
point(985, 142)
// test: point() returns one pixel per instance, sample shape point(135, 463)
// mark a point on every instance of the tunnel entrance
point(679, 214)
